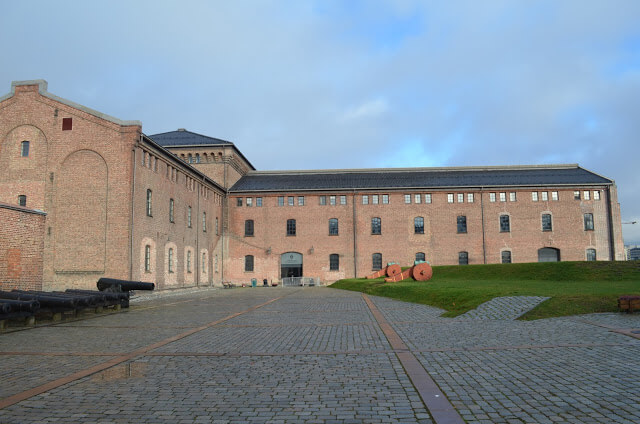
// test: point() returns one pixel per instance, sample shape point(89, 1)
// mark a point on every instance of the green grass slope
point(574, 287)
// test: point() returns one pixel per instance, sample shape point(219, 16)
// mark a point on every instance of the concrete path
point(289, 355)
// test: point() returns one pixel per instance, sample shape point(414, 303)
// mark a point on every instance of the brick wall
point(22, 235)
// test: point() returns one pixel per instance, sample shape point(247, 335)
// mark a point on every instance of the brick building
point(183, 209)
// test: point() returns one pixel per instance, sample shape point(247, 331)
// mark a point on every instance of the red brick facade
point(22, 235)
point(120, 205)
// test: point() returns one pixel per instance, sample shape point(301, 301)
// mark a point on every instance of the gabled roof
point(418, 178)
point(183, 138)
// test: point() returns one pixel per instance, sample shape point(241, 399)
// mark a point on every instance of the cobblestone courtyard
point(286, 355)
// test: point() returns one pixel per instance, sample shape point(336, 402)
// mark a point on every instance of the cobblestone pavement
point(508, 307)
point(317, 355)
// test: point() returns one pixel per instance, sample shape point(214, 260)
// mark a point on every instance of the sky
point(356, 83)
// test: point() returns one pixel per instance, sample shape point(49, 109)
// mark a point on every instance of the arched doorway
point(548, 254)
point(291, 264)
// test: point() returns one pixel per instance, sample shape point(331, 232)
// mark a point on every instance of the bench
point(628, 303)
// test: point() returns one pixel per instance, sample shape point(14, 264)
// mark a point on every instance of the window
point(376, 261)
point(512, 197)
point(545, 196)
point(385, 199)
point(215, 263)
point(334, 262)
point(591, 254)
point(546, 222)
point(554, 196)
point(248, 263)
point(505, 226)
point(323, 200)
point(248, 228)
point(463, 258)
point(189, 261)
point(450, 198)
point(376, 226)
point(407, 198)
point(171, 206)
point(420, 257)
point(506, 256)
point(258, 202)
point(190, 158)
point(290, 200)
point(197, 157)
point(462, 224)
point(460, 197)
point(147, 258)
point(67, 124)
point(492, 197)
point(596, 195)
point(576, 195)
point(204, 262)
point(587, 195)
point(343, 200)
point(300, 201)
point(427, 198)
point(588, 222)
point(418, 225)
point(22, 200)
point(280, 200)
point(332, 200)
point(417, 198)
point(291, 227)
point(204, 222)
point(170, 262)
point(333, 227)
point(24, 149)
point(149, 202)
point(189, 216)
point(503, 197)
point(217, 226)
point(365, 199)
point(375, 199)
point(470, 197)
point(534, 196)
point(249, 202)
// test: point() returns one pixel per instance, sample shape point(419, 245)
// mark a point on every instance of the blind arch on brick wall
point(81, 213)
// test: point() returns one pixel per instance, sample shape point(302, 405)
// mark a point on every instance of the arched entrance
point(548, 254)
point(291, 264)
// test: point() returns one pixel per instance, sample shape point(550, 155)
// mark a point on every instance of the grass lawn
point(574, 287)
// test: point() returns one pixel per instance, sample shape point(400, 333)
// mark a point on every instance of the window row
point(204, 158)
point(586, 195)
point(418, 225)
point(249, 201)
point(334, 262)
point(189, 213)
point(172, 261)
point(505, 256)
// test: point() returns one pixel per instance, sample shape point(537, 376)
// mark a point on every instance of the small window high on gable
point(67, 124)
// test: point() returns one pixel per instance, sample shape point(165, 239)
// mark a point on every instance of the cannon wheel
point(422, 272)
point(393, 270)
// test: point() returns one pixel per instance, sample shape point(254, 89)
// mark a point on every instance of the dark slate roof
point(419, 178)
point(183, 137)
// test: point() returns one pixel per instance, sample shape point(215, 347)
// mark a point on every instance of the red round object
point(393, 270)
point(422, 272)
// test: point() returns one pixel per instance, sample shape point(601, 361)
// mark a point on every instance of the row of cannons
point(27, 304)
point(420, 271)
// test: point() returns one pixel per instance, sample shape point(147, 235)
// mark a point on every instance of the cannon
point(11, 306)
point(115, 285)
point(45, 299)
point(107, 298)
point(390, 270)
point(420, 271)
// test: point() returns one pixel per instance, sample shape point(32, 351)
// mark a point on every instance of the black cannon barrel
point(45, 299)
point(5, 307)
point(107, 298)
point(30, 306)
point(83, 299)
point(125, 285)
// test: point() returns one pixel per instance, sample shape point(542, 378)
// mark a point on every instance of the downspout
point(484, 245)
point(355, 245)
point(133, 209)
point(612, 247)
point(197, 261)
point(224, 204)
